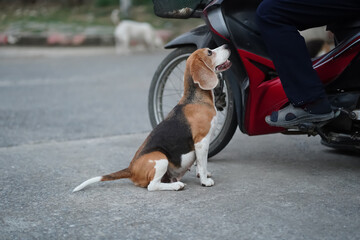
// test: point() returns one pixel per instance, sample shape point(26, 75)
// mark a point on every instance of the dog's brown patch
point(199, 117)
point(143, 168)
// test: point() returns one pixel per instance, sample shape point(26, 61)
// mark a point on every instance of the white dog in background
point(128, 32)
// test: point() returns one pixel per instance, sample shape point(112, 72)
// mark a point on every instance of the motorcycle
point(251, 89)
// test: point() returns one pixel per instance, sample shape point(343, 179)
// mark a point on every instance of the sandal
point(291, 116)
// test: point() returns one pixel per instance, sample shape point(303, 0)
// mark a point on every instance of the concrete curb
point(65, 39)
point(56, 39)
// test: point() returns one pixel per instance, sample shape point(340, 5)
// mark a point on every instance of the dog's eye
point(209, 52)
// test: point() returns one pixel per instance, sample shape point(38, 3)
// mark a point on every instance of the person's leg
point(279, 21)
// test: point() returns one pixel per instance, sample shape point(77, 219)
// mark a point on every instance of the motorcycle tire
point(166, 89)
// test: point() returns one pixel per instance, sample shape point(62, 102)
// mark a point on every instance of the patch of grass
point(80, 15)
point(103, 3)
point(86, 15)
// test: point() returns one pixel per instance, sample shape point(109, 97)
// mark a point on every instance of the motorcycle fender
point(238, 98)
point(200, 37)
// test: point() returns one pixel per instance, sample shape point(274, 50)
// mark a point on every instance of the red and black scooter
point(251, 89)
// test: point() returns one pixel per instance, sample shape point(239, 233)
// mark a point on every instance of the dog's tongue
point(226, 65)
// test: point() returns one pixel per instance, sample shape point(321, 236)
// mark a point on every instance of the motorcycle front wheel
point(167, 88)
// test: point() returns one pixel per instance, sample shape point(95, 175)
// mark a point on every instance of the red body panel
point(264, 97)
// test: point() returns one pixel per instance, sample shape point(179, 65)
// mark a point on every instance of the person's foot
point(291, 116)
point(321, 106)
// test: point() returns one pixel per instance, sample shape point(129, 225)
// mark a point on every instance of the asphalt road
point(68, 115)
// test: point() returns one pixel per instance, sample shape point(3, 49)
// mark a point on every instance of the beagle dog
point(183, 137)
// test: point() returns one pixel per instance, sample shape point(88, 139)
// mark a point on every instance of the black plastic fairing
point(241, 22)
point(349, 80)
point(200, 37)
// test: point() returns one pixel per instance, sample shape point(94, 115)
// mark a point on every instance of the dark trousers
point(279, 21)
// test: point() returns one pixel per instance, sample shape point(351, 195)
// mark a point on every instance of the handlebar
point(180, 9)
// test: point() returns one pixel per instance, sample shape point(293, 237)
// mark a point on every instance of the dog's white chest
point(214, 122)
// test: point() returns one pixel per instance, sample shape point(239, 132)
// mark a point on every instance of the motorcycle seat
point(354, 23)
point(344, 29)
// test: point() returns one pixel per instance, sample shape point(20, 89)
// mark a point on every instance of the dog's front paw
point(208, 175)
point(208, 182)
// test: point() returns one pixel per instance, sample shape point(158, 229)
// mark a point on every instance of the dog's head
point(205, 63)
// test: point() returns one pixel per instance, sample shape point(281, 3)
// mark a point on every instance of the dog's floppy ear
point(203, 75)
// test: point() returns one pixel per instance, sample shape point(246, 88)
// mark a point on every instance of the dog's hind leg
point(155, 184)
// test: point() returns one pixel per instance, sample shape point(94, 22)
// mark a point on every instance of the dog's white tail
point(87, 182)
point(125, 173)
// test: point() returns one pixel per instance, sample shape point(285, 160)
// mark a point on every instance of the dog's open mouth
point(222, 67)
